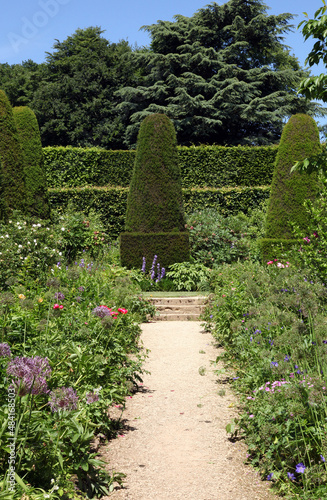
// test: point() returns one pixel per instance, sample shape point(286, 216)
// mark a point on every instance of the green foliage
point(36, 191)
point(222, 75)
point(154, 202)
point(75, 99)
point(271, 324)
point(12, 160)
point(215, 239)
point(214, 166)
point(313, 240)
point(300, 139)
point(189, 276)
point(170, 247)
point(314, 87)
point(110, 202)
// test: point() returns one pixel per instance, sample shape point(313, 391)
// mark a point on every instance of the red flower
point(122, 310)
point(56, 306)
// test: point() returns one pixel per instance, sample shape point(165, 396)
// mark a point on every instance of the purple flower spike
point(5, 351)
point(63, 398)
point(322, 458)
point(300, 468)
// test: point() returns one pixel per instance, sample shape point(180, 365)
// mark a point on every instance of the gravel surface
point(174, 445)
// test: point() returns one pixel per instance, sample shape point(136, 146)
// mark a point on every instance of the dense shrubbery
point(214, 166)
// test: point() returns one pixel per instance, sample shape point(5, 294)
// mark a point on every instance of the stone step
point(179, 308)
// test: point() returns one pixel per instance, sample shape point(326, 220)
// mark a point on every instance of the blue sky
point(28, 29)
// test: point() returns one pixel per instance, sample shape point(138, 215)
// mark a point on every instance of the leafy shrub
point(189, 276)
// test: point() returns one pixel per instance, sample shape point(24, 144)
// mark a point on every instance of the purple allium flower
point(92, 397)
point(102, 311)
point(5, 351)
point(30, 374)
point(269, 477)
point(59, 296)
point(143, 265)
point(274, 363)
point(322, 458)
point(300, 468)
point(63, 398)
point(291, 476)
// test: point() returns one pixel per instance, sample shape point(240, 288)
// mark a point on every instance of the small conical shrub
point(11, 158)
point(36, 191)
point(299, 140)
point(155, 223)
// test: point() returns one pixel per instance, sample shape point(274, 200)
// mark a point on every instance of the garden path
point(174, 445)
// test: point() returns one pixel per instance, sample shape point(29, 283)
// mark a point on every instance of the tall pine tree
point(223, 76)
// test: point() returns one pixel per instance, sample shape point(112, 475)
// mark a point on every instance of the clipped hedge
point(36, 191)
point(271, 248)
point(214, 166)
point(110, 202)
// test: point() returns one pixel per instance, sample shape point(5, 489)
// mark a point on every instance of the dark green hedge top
point(11, 156)
point(36, 192)
point(203, 166)
point(299, 140)
point(155, 201)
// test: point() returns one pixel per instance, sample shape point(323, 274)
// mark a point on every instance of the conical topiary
point(36, 191)
point(155, 223)
point(11, 158)
point(299, 140)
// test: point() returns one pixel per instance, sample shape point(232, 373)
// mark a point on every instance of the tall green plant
point(155, 223)
point(11, 158)
point(289, 190)
point(36, 192)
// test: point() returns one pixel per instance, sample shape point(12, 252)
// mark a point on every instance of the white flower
point(53, 250)
point(19, 227)
point(38, 225)
point(60, 253)
point(52, 481)
point(20, 246)
point(10, 221)
point(28, 243)
point(7, 235)
point(63, 229)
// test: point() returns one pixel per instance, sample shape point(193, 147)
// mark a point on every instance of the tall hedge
point(299, 140)
point(154, 202)
point(11, 158)
point(36, 191)
point(155, 222)
point(201, 166)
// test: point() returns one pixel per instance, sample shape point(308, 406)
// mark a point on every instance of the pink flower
point(270, 262)
point(280, 264)
point(122, 310)
point(251, 416)
point(306, 239)
point(61, 307)
point(56, 306)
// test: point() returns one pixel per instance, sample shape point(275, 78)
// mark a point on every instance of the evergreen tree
point(155, 223)
point(223, 76)
point(74, 103)
point(12, 160)
point(289, 190)
point(36, 191)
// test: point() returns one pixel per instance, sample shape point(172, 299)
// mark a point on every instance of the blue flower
point(300, 468)
point(291, 476)
point(287, 358)
point(274, 363)
point(322, 458)
point(269, 477)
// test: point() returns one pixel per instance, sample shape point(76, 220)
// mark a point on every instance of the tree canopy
point(223, 76)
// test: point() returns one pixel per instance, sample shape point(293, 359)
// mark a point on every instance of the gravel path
point(175, 444)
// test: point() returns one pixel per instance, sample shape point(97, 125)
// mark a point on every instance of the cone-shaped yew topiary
point(36, 191)
point(155, 223)
point(299, 140)
point(12, 160)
